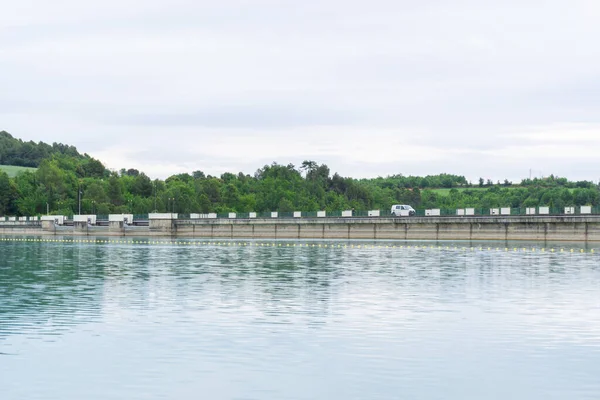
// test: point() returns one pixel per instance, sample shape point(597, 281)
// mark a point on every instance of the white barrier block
point(297, 214)
point(162, 216)
point(505, 211)
point(274, 214)
point(569, 210)
point(194, 216)
point(373, 213)
point(347, 213)
point(85, 218)
point(59, 218)
point(494, 211)
point(460, 211)
point(232, 215)
point(530, 211)
point(252, 215)
point(35, 218)
point(585, 209)
point(120, 218)
point(469, 211)
point(321, 214)
point(544, 210)
point(12, 219)
point(23, 219)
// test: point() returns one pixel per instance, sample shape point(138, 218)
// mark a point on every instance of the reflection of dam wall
point(549, 228)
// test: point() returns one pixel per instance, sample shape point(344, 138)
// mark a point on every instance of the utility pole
point(79, 199)
point(47, 208)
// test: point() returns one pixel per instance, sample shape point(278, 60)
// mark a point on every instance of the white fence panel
point(544, 210)
point(373, 213)
point(321, 214)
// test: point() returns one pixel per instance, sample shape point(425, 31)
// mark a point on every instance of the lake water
point(276, 320)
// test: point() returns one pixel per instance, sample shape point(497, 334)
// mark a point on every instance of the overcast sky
point(379, 87)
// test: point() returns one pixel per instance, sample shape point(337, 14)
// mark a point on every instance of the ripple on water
point(103, 321)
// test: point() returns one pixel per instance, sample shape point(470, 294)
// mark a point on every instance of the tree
point(115, 190)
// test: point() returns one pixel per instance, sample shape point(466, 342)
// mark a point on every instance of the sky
point(476, 88)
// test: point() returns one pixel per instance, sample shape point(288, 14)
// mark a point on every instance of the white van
point(402, 210)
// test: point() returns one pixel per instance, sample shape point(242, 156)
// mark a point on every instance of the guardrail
point(436, 212)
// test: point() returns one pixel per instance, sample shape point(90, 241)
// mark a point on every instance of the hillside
point(64, 173)
point(16, 152)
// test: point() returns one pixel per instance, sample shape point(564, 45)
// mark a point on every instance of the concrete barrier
point(232, 215)
point(460, 212)
point(530, 211)
point(544, 210)
point(297, 214)
point(274, 214)
point(569, 210)
point(585, 210)
point(373, 213)
point(164, 216)
point(505, 211)
point(85, 218)
point(120, 218)
point(321, 214)
point(347, 213)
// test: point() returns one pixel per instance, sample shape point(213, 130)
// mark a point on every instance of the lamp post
point(79, 199)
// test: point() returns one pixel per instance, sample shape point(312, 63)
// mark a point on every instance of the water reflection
point(170, 321)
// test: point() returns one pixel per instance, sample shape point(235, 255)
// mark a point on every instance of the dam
point(583, 228)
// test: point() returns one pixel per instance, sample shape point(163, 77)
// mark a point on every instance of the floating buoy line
point(278, 244)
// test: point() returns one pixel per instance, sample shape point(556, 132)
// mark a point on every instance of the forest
point(64, 179)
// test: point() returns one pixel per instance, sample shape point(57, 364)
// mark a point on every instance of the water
point(224, 321)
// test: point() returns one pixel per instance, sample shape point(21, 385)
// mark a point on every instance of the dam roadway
point(536, 228)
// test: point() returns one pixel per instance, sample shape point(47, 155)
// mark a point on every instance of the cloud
point(371, 89)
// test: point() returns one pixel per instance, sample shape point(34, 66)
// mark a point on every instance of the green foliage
point(61, 174)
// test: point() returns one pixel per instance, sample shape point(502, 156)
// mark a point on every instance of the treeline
point(60, 182)
point(14, 151)
point(65, 179)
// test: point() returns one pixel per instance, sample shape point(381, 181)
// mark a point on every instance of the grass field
point(13, 171)
point(444, 191)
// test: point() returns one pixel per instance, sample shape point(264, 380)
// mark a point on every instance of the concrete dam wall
point(536, 228)
point(564, 228)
